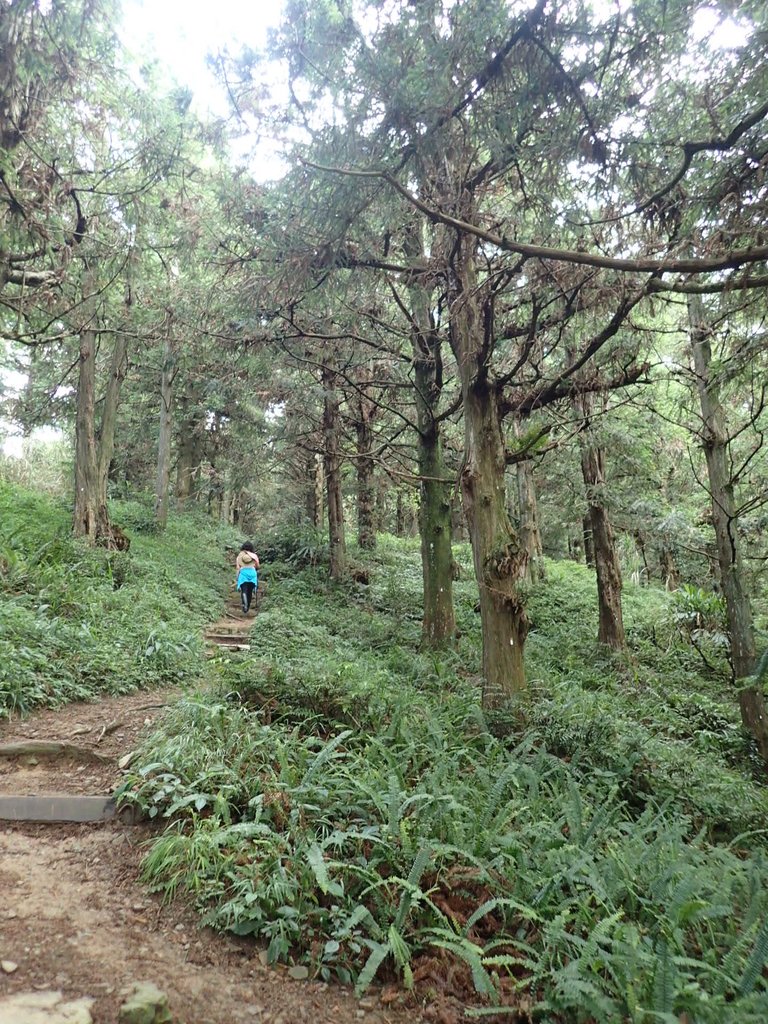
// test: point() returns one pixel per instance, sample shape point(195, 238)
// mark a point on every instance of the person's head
point(247, 546)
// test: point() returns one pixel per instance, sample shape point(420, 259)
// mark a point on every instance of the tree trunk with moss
point(527, 506)
point(435, 488)
point(715, 442)
point(500, 560)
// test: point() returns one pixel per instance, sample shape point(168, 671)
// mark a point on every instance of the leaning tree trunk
point(609, 583)
point(332, 467)
point(164, 437)
point(725, 521)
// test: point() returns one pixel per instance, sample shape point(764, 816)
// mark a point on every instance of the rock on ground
point(44, 1008)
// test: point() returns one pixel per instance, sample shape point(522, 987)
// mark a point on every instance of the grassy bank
point(77, 621)
point(339, 795)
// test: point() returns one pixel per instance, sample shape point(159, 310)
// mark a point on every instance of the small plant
point(696, 609)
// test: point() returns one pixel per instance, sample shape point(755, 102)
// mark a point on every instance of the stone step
point(61, 808)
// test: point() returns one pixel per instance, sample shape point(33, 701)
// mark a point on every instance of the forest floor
point(75, 916)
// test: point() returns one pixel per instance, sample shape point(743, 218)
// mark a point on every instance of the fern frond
point(756, 962)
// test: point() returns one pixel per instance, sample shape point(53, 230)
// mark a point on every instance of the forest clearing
point(438, 328)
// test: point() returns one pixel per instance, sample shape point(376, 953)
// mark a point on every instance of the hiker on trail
point(247, 578)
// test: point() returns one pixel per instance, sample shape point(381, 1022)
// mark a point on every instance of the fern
point(325, 755)
point(665, 978)
point(379, 953)
point(756, 962)
point(472, 956)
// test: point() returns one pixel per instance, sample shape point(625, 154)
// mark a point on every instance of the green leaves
point(369, 825)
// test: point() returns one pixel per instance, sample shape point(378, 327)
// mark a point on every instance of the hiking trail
point(76, 918)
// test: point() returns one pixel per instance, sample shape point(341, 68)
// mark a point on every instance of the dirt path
point(75, 917)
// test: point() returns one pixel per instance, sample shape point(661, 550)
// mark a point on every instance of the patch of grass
point(339, 795)
point(77, 621)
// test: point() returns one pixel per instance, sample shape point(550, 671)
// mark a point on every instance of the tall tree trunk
point(530, 536)
point(435, 526)
point(86, 513)
point(589, 547)
point(366, 488)
point(500, 560)
point(382, 496)
point(91, 517)
point(164, 437)
point(439, 622)
point(725, 521)
point(670, 574)
point(459, 533)
point(609, 583)
point(190, 449)
point(106, 435)
point(318, 490)
point(399, 513)
point(227, 498)
point(332, 467)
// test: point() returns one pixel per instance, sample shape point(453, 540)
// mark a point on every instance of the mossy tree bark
point(435, 488)
point(715, 442)
point(527, 506)
point(500, 560)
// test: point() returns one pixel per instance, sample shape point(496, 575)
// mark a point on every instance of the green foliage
point(695, 608)
point(76, 621)
point(297, 546)
point(339, 796)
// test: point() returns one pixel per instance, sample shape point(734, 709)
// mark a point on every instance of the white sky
point(181, 33)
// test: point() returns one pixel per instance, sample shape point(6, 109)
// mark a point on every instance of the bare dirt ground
point(74, 915)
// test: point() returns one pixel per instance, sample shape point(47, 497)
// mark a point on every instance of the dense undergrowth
point(340, 796)
point(597, 854)
point(77, 621)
